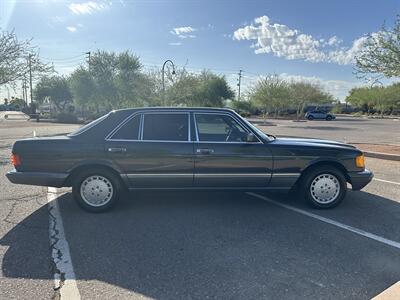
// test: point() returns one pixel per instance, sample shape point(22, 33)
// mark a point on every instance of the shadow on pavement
point(174, 245)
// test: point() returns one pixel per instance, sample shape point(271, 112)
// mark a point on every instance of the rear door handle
point(204, 151)
point(116, 149)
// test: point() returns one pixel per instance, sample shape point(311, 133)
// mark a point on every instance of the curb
point(381, 155)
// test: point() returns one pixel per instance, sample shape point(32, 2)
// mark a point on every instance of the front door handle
point(204, 151)
point(116, 150)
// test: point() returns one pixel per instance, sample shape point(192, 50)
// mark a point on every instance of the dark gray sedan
point(185, 148)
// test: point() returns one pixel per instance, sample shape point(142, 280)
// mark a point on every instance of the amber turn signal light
point(360, 161)
point(15, 160)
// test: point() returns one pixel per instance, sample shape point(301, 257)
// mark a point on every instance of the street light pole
point(163, 79)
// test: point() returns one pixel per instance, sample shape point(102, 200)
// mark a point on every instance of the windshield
point(88, 126)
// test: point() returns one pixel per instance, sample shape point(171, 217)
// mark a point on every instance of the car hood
point(311, 142)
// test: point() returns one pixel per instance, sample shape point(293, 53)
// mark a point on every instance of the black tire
point(310, 118)
point(326, 179)
point(329, 118)
point(106, 179)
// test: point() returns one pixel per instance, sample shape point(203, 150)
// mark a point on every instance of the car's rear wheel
point(310, 118)
point(324, 187)
point(328, 118)
point(96, 190)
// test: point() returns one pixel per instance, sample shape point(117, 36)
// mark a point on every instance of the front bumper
point(359, 180)
point(37, 178)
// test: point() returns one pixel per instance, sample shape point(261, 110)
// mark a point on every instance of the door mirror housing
point(251, 138)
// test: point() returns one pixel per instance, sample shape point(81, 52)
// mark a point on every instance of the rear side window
point(128, 131)
point(166, 127)
point(89, 125)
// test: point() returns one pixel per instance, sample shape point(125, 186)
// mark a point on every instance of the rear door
point(223, 157)
point(159, 154)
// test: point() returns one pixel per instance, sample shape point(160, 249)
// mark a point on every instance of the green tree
point(18, 103)
point(303, 93)
point(270, 94)
point(381, 53)
point(82, 88)
point(112, 81)
point(14, 56)
point(205, 89)
point(56, 90)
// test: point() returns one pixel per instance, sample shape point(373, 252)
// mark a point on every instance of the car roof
point(171, 108)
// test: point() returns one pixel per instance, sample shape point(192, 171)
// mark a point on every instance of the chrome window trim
point(267, 174)
point(241, 124)
point(187, 113)
point(126, 120)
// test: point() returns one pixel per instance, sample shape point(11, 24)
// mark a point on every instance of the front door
point(158, 154)
point(224, 157)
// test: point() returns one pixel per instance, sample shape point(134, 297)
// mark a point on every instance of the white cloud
point(175, 44)
point(71, 28)
point(183, 32)
point(346, 56)
point(334, 41)
point(180, 30)
point(86, 8)
point(282, 41)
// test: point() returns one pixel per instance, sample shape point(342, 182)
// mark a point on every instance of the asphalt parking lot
point(174, 245)
point(345, 128)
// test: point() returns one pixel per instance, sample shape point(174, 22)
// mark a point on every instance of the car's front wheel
point(310, 117)
point(324, 187)
point(329, 118)
point(96, 190)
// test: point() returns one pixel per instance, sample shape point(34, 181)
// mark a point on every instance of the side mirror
point(251, 138)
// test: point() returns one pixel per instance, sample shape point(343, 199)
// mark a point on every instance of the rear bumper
point(359, 180)
point(37, 178)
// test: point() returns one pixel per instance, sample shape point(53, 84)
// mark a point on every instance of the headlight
point(360, 161)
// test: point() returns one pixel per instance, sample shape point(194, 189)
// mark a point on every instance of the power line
point(77, 57)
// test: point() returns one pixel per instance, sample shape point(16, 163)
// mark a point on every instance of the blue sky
point(312, 40)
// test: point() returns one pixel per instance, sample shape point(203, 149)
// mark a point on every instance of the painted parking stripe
point(64, 275)
point(386, 181)
point(330, 221)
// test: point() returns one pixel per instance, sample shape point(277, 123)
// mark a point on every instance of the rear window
point(166, 127)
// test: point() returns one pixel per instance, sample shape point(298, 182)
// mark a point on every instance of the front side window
point(219, 128)
point(128, 131)
point(166, 127)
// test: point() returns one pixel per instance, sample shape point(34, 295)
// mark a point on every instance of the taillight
point(15, 160)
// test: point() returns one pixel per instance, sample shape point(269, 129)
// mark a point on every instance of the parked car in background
point(319, 115)
point(185, 148)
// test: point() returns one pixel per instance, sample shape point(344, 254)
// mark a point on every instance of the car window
point(128, 131)
point(166, 127)
point(88, 126)
point(219, 128)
